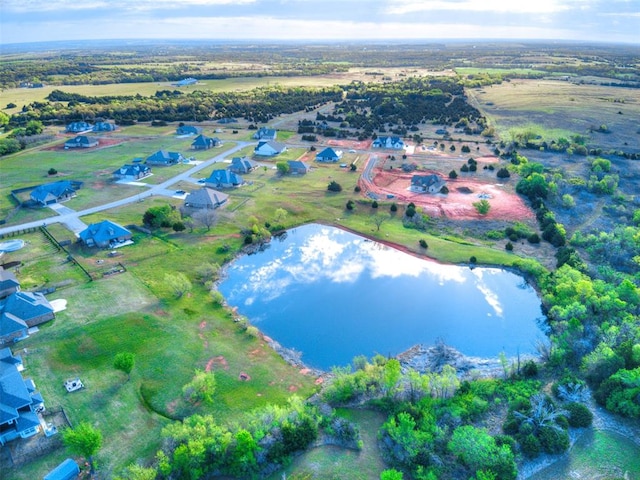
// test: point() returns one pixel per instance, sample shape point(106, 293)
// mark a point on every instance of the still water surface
point(333, 295)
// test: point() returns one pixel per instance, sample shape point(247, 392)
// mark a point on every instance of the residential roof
point(25, 305)
point(10, 324)
point(132, 170)
point(81, 140)
point(78, 127)
point(188, 129)
point(268, 133)
point(104, 127)
point(243, 164)
point(276, 146)
point(67, 470)
point(14, 393)
point(223, 177)
point(103, 232)
point(329, 153)
point(298, 165)
point(57, 189)
point(206, 196)
point(203, 141)
point(162, 156)
point(8, 279)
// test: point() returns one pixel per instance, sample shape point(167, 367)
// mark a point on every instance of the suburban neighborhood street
point(71, 218)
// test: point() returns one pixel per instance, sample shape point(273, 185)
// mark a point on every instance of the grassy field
point(561, 107)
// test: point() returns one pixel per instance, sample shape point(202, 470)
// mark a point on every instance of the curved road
point(160, 189)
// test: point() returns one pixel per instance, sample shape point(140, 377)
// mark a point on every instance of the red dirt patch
point(364, 145)
point(319, 380)
point(456, 204)
point(219, 360)
point(293, 388)
point(244, 377)
point(305, 371)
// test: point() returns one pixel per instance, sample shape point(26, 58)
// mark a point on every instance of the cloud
point(113, 5)
point(402, 7)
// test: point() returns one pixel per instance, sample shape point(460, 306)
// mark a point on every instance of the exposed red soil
point(458, 203)
point(216, 361)
point(364, 145)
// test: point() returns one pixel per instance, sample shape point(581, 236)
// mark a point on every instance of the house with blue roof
point(266, 134)
point(79, 127)
point(8, 283)
point(269, 148)
point(164, 158)
point(132, 172)
point(188, 130)
point(329, 155)
point(242, 165)
point(104, 127)
point(21, 311)
point(51, 193)
point(186, 81)
point(67, 470)
point(202, 142)
point(395, 143)
point(81, 141)
point(20, 402)
point(223, 179)
point(105, 234)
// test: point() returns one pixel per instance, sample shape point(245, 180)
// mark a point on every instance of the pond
point(333, 295)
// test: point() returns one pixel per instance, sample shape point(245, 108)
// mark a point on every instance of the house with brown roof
point(205, 198)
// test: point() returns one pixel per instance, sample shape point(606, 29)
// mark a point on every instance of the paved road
point(160, 189)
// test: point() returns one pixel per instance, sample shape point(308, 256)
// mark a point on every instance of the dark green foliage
point(410, 210)
point(579, 415)
point(464, 168)
point(374, 204)
point(357, 189)
point(444, 190)
point(334, 186)
point(503, 173)
point(353, 167)
point(423, 243)
point(530, 446)
point(553, 440)
point(299, 435)
point(473, 259)
point(52, 171)
point(162, 216)
point(393, 208)
point(350, 204)
point(530, 369)
point(178, 227)
point(534, 186)
point(465, 149)
point(508, 247)
point(453, 174)
point(533, 238)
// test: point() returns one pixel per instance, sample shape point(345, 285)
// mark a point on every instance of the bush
point(357, 189)
point(533, 238)
point(553, 440)
point(423, 243)
point(374, 204)
point(393, 207)
point(349, 206)
point(530, 369)
point(509, 247)
point(453, 174)
point(530, 446)
point(579, 415)
point(503, 173)
point(52, 171)
point(334, 186)
point(473, 259)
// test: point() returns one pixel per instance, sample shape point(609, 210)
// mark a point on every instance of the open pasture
point(565, 107)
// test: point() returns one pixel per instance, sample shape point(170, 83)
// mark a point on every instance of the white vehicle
point(73, 384)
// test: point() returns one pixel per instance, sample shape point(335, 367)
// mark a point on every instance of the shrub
point(453, 174)
point(52, 171)
point(374, 204)
point(530, 369)
point(509, 247)
point(530, 446)
point(473, 259)
point(553, 440)
point(534, 238)
point(393, 207)
point(357, 189)
point(423, 243)
point(334, 186)
point(503, 173)
point(579, 415)
point(350, 205)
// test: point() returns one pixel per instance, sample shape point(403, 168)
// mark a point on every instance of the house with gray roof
point(104, 127)
point(81, 141)
point(132, 172)
point(188, 130)
point(265, 134)
point(105, 234)
point(21, 311)
point(395, 143)
point(427, 183)
point(20, 402)
point(329, 155)
point(164, 158)
point(296, 167)
point(202, 142)
point(242, 165)
point(205, 198)
point(51, 193)
point(223, 179)
point(8, 283)
point(269, 148)
point(79, 127)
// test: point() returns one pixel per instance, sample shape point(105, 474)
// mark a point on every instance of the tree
point(52, 171)
point(84, 440)
point(178, 226)
point(178, 283)
point(282, 167)
point(201, 388)
point(206, 217)
point(378, 220)
point(503, 173)
point(350, 204)
point(453, 174)
point(34, 127)
point(482, 207)
point(391, 474)
point(334, 186)
point(124, 362)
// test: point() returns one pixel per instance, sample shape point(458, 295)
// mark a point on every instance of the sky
point(614, 21)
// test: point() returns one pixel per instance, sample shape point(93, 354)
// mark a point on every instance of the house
point(78, 127)
point(81, 141)
point(206, 198)
point(8, 283)
point(265, 134)
point(202, 142)
point(132, 172)
point(67, 470)
point(269, 148)
point(20, 402)
point(388, 142)
point(242, 165)
point(105, 234)
point(296, 167)
point(104, 127)
point(427, 183)
point(21, 311)
point(223, 179)
point(188, 130)
point(51, 193)
point(186, 81)
point(164, 158)
point(329, 155)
